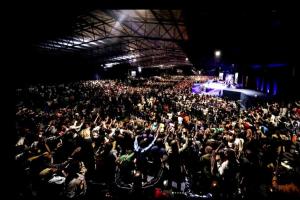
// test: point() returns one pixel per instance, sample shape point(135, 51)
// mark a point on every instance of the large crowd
point(113, 140)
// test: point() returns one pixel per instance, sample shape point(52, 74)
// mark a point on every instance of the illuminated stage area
point(217, 88)
point(229, 91)
point(247, 92)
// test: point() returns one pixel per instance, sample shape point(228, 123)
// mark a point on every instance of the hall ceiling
point(146, 38)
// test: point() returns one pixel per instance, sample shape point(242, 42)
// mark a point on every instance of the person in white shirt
point(170, 115)
point(180, 120)
point(222, 166)
point(239, 144)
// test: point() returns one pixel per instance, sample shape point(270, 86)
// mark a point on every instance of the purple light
point(268, 87)
point(257, 83)
point(262, 85)
point(255, 66)
point(275, 65)
point(196, 88)
point(275, 88)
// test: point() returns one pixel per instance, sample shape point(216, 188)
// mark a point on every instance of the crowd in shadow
point(112, 140)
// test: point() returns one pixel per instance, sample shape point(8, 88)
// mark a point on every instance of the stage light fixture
point(218, 53)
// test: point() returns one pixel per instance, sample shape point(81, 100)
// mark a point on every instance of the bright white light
point(130, 56)
point(55, 45)
point(134, 60)
point(139, 69)
point(186, 59)
point(65, 43)
point(216, 86)
point(85, 39)
point(236, 75)
point(121, 17)
point(133, 73)
point(221, 76)
point(76, 42)
point(109, 65)
point(217, 53)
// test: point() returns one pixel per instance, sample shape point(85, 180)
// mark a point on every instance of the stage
point(245, 96)
point(247, 92)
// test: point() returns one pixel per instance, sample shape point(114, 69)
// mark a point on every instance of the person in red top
point(159, 194)
point(166, 108)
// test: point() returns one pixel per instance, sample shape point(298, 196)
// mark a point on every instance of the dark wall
point(280, 81)
point(116, 72)
point(37, 68)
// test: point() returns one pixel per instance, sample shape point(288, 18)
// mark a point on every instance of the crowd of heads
point(150, 138)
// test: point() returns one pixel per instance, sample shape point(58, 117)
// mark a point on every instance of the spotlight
point(217, 53)
point(214, 184)
point(165, 183)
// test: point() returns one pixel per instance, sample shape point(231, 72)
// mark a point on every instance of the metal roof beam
point(176, 24)
point(160, 22)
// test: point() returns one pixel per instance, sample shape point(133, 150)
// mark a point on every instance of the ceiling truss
point(153, 37)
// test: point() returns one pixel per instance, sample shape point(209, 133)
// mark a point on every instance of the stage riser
point(246, 100)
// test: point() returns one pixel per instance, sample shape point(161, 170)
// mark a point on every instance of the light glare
point(217, 53)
